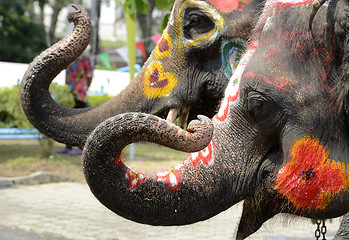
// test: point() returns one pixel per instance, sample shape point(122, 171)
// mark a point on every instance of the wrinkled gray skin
point(202, 40)
point(284, 119)
point(343, 231)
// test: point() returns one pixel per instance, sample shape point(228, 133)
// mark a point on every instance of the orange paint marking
point(310, 179)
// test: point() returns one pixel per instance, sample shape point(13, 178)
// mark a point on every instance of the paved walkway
point(70, 211)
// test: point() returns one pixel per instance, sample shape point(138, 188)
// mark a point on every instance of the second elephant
point(185, 75)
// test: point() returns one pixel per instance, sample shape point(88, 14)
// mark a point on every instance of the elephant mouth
point(181, 116)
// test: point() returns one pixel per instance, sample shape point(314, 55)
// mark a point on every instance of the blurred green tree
point(57, 6)
point(22, 34)
point(11, 113)
point(98, 99)
point(142, 10)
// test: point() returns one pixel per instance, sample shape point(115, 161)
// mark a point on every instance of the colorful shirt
point(78, 77)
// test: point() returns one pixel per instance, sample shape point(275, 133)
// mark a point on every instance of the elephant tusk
point(183, 118)
point(172, 115)
point(181, 115)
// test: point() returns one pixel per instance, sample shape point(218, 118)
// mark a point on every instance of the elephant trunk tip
point(73, 16)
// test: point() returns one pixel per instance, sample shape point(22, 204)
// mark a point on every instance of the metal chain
point(320, 230)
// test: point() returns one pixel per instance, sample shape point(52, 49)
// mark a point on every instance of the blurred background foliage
point(22, 33)
point(12, 115)
point(143, 8)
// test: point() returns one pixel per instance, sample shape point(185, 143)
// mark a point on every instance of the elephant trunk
point(41, 110)
point(70, 126)
point(183, 195)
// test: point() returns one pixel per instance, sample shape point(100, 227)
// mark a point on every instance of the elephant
point(279, 140)
point(185, 75)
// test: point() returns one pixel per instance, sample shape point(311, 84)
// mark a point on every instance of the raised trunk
point(69, 126)
point(186, 194)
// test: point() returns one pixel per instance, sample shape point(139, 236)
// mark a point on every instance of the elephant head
point(280, 138)
point(187, 71)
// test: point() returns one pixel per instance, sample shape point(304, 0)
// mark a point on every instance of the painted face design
point(164, 47)
point(310, 178)
point(205, 156)
point(174, 43)
point(233, 89)
point(231, 55)
point(134, 178)
point(203, 39)
point(157, 82)
point(171, 178)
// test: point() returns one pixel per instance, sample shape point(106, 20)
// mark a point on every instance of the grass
point(23, 157)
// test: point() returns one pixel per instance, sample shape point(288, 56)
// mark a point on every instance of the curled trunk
point(45, 67)
point(193, 193)
point(66, 125)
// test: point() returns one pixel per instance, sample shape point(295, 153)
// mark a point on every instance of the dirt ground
point(22, 158)
point(63, 169)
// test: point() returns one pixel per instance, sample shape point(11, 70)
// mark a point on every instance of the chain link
point(320, 230)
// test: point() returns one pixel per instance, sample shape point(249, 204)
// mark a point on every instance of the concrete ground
point(66, 210)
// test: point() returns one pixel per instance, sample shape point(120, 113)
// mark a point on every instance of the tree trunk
point(146, 26)
point(53, 24)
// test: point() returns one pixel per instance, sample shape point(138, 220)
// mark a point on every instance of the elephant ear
point(341, 26)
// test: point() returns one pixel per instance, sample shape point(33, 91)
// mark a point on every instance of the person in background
point(78, 77)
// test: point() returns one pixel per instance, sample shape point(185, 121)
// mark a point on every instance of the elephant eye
point(196, 23)
point(259, 107)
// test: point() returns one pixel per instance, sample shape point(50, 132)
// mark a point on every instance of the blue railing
point(17, 133)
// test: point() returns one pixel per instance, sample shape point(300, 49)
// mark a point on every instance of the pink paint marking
point(287, 3)
point(227, 6)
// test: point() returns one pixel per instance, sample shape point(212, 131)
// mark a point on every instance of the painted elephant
point(279, 140)
point(187, 72)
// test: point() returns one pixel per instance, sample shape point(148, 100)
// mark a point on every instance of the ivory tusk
point(172, 115)
point(183, 118)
